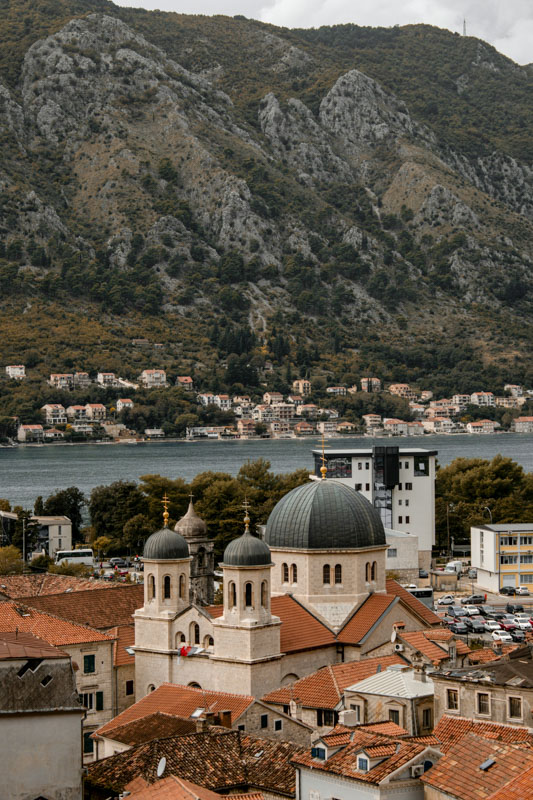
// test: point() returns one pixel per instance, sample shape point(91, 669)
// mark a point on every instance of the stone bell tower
point(202, 582)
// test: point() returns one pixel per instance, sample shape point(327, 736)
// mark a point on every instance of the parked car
point(459, 627)
point(472, 611)
point(487, 611)
point(514, 608)
point(522, 624)
point(523, 590)
point(523, 616)
point(117, 562)
point(457, 611)
point(446, 600)
point(518, 635)
point(473, 600)
point(510, 590)
point(507, 625)
point(475, 625)
point(502, 636)
point(423, 573)
point(491, 625)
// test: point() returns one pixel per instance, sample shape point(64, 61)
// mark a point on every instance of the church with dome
point(312, 591)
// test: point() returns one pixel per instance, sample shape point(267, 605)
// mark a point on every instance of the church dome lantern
point(191, 526)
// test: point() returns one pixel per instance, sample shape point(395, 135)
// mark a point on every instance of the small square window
point(515, 707)
point(427, 718)
point(407, 520)
point(359, 465)
point(367, 465)
point(400, 487)
point(408, 486)
point(88, 743)
point(483, 703)
point(278, 724)
point(394, 715)
point(129, 687)
point(400, 520)
point(362, 764)
point(88, 664)
point(399, 502)
point(286, 709)
point(264, 720)
point(358, 487)
point(452, 700)
point(241, 728)
point(406, 503)
point(406, 465)
point(367, 487)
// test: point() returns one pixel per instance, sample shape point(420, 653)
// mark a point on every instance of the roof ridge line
point(308, 611)
point(332, 673)
point(63, 619)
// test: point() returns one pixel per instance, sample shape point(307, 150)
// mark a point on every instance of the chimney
point(419, 673)
point(295, 708)
point(201, 725)
point(209, 717)
point(224, 719)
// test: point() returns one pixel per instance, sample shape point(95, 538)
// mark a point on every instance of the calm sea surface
point(26, 472)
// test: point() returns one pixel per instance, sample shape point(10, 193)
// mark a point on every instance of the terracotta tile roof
point(486, 654)
point(430, 740)
point(393, 587)
point(300, 630)
point(420, 642)
point(324, 688)
point(99, 608)
point(220, 758)
point(152, 726)
point(125, 637)
point(365, 617)
point(14, 586)
point(458, 773)
point(56, 631)
point(181, 701)
point(450, 730)
point(444, 635)
point(171, 788)
point(17, 644)
point(342, 734)
point(394, 752)
point(519, 788)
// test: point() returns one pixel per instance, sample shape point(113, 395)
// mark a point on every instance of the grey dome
point(191, 526)
point(322, 515)
point(247, 551)
point(165, 544)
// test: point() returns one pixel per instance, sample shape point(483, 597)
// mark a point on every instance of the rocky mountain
point(339, 199)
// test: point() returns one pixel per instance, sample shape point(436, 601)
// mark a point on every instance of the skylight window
point(487, 764)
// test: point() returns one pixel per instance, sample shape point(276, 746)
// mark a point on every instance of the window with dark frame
point(452, 699)
point(89, 664)
point(129, 687)
point(278, 724)
point(515, 708)
point(394, 715)
point(483, 703)
point(264, 720)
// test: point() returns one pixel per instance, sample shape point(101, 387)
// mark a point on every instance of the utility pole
point(464, 27)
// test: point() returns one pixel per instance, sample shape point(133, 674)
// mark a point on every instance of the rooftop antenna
point(464, 27)
point(165, 512)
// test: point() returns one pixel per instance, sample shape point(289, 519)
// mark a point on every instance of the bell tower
point(194, 531)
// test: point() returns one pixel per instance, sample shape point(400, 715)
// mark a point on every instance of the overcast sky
point(506, 24)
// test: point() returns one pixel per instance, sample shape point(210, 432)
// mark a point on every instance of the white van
point(454, 566)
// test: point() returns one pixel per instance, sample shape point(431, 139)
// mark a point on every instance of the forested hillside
point(334, 200)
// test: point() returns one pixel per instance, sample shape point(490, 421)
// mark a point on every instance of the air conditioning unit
point(417, 771)
point(398, 648)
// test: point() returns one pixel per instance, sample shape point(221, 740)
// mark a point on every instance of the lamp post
point(486, 508)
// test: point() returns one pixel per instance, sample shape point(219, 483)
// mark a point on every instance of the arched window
point(264, 588)
point(248, 595)
point(182, 587)
point(367, 571)
point(374, 571)
point(294, 575)
point(166, 587)
point(338, 573)
point(180, 638)
point(232, 595)
point(208, 641)
point(151, 587)
point(326, 574)
point(285, 573)
point(194, 633)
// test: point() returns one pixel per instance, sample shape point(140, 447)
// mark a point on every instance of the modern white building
point(503, 555)
point(153, 378)
point(399, 482)
point(16, 371)
point(401, 562)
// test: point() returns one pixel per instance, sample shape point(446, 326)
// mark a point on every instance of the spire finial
point(166, 515)
point(323, 468)
point(246, 506)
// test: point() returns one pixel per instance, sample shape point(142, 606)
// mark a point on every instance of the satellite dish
point(161, 766)
point(393, 635)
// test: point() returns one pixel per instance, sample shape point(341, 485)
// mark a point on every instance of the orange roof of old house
point(519, 788)
point(173, 788)
point(486, 654)
point(459, 775)
point(17, 644)
point(181, 701)
point(366, 616)
point(124, 636)
point(104, 608)
point(342, 734)
point(56, 631)
point(34, 585)
point(324, 688)
point(152, 726)
point(450, 730)
point(424, 642)
point(393, 587)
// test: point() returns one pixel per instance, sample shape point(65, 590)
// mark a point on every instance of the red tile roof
point(342, 734)
point(324, 688)
point(520, 788)
point(420, 642)
point(125, 637)
point(17, 644)
point(56, 631)
point(222, 759)
point(450, 730)
point(181, 701)
point(365, 618)
point(152, 726)
point(14, 586)
point(486, 654)
point(393, 587)
point(99, 608)
point(171, 788)
point(458, 773)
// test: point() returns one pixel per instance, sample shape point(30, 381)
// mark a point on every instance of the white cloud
point(506, 25)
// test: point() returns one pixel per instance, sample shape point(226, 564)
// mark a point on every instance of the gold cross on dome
point(323, 468)
point(166, 515)
point(246, 506)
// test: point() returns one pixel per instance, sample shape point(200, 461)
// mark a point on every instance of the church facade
point(312, 593)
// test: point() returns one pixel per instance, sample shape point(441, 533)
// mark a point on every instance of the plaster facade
point(483, 701)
